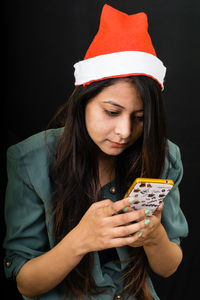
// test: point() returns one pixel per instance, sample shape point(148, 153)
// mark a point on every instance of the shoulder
point(173, 218)
point(173, 151)
point(31, 158)
point(173, 164)
point(38, 147)
point(37, 143)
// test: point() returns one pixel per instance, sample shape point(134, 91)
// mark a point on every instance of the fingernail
point(146, 222)
point(147, 211)
point(140, 234)
point(125, 209)
point(131, 200)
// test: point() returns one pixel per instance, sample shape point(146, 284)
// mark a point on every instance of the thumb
point(158, 211)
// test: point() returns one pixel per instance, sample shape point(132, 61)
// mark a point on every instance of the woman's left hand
point(148, 234)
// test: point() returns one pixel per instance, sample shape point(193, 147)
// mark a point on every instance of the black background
point(43, 39)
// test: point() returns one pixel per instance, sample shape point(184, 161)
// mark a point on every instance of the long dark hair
point(75, 173)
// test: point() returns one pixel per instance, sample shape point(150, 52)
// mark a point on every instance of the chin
point(112, 152)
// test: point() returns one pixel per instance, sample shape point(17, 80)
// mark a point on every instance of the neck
point(106, 169)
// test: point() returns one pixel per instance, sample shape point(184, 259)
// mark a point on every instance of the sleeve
point(26, 233)
point(173, 218)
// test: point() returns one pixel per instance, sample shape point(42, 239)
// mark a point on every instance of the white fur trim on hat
point(119, 63)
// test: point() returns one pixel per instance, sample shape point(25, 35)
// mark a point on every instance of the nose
point(124, 127)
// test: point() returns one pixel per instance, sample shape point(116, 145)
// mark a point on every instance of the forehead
point(122, 93)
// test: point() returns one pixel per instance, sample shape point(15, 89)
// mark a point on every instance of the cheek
point(95, 130)
point(96, 123)
point(137, 132)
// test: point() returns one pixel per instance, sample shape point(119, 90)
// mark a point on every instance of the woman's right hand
point(103, 226)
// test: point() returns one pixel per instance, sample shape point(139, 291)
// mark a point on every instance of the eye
point(140, 118)
point(111, 113)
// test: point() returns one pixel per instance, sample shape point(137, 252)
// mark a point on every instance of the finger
point(123, 231)
point(100, 204)
point(118, 206)
point(124, 241)
point(126, 209)
point(160, 207)
point(158, 211)
point(147, 213)
point(124, 219)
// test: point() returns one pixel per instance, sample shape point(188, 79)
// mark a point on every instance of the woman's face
point(114, 118)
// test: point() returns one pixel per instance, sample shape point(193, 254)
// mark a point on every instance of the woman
point(71, 235)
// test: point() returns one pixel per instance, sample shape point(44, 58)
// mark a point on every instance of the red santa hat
point(122, 47)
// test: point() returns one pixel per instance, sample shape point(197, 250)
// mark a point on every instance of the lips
point(118, 145)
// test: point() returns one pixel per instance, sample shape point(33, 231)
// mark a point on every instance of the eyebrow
point(118, 105)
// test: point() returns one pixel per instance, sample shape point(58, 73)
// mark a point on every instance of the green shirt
point(27, 212)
